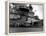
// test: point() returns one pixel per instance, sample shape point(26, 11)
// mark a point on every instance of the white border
point(7, 17)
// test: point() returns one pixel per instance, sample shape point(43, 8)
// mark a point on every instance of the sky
point(38, 9)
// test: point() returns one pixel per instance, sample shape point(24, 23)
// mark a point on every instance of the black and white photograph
point(26, 17)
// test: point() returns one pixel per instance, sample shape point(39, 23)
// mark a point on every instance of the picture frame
point(7, 17)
